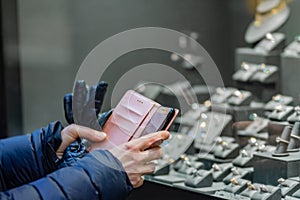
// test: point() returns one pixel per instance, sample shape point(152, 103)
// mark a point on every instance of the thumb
point(73, 131)
point(147, 141)
point(88, 133)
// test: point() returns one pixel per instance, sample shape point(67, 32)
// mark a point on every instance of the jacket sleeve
point(26, 158)
point(99, 175)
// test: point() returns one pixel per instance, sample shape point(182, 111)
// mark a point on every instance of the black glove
point(87, 103)
point(83, 108)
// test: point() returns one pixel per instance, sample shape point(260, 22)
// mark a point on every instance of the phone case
point(128, 120)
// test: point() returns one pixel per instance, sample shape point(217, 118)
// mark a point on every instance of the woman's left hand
point(73, 131)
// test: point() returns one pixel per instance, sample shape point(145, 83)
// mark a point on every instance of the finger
point(79, 100)
point(72, 132)
point(139, 183)
point(89, 134)
point(146, 141)
point(151, 154)
point(99, 97)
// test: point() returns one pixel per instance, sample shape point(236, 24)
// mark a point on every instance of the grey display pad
point(244, 173)
point(295, 117)
point(245, 75)
point(284, 100)
point(273, 192)
point(236, 189)
point(281, 115)
point(231, 196)
point(293, 49)
point(224, 171)
point(245, 98)
point(210, 190)
point(268, 75)
point(289, 187)
point(227, 153)
point(267, 45)
point(171, 179)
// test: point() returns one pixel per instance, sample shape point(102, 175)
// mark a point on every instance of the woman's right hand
point(136, 156)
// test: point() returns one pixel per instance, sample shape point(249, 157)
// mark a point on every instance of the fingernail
point(101, 134)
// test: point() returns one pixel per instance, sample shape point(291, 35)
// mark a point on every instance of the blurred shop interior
point(254, 43)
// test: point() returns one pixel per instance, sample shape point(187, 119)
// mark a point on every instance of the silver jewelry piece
point(250, 186)
point(216, 167)
point(297, 110)
point(235, 171)
point(270, 37)
point(244, 153)
point(279, 139)
point(263, 188)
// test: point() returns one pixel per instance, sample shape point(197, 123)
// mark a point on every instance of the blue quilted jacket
point(28, 170)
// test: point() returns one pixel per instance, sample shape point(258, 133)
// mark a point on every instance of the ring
point(251, 186)
point(252, 141)
point(277, 98)
point(238, 94)
point(235, 171)
point(245, 66)
point(282, 182)
point(279, 139)
point(225, 145)
point(270, 37)
point(264, 69)
point(297, 110)
point(219, 140)
point(244, 153)
point(295, 136)
point(279, 108)
point(234, 181)
point(216, 167)
point(261, 148)
point(263, 188)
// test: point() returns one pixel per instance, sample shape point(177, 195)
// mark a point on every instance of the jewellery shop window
point(231, 68)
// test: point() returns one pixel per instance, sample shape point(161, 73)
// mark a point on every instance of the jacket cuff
point(108, 168)
point(46, 142)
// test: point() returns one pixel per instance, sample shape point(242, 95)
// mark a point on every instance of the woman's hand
point(136, 156)
point(73, 131)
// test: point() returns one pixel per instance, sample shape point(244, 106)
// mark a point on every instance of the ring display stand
point(270, 15)
point(281, 113)
point(266, 51)
point(237, 172)
point(288, 187)
point(257, 191)
point(219, 171)
point(278, 100)
point(295, 117)
point(201, 178)
point(290, 62)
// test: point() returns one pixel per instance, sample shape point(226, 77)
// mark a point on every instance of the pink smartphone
point(133, 117)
